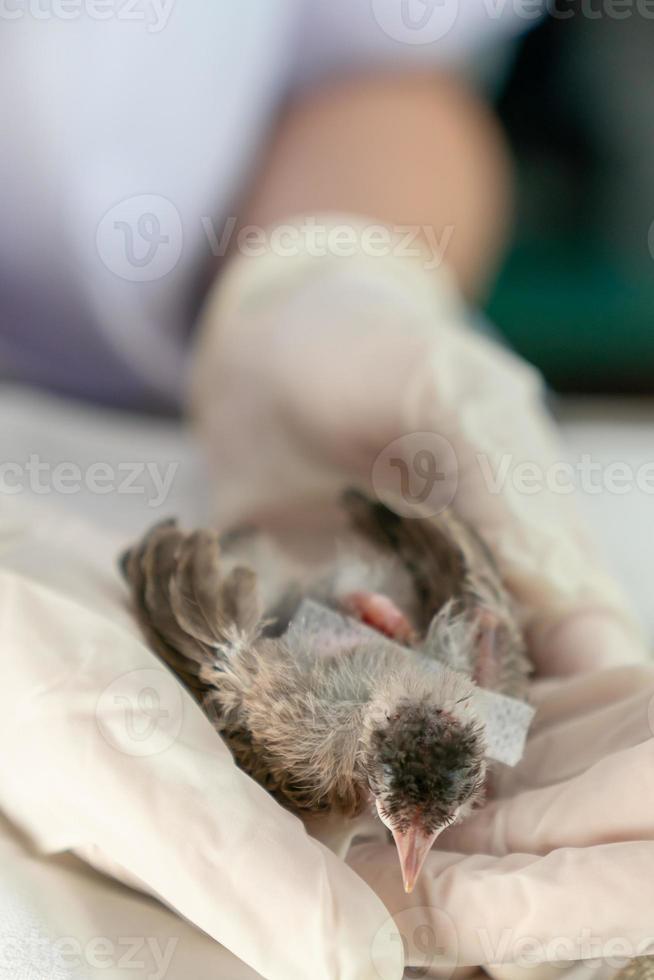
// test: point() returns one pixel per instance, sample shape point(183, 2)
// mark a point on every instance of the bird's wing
point(465, 614)
point(432, 552)
point(207, 604)
point(189, 611)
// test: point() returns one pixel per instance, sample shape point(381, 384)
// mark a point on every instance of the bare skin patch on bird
point(380, 613)
point(487, 669)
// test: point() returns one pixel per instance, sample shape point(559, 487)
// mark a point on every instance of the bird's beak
point(413, 846)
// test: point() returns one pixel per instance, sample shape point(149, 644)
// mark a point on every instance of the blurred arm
point(416, 150)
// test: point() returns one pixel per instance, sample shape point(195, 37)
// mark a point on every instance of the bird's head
point(423, 757)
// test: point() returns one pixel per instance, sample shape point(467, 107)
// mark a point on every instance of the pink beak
point(413, 846)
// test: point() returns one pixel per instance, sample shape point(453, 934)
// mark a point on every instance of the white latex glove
point(104, 754)
point(310, 373)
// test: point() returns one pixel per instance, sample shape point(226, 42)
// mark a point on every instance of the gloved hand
point(106, 755)
point(312, 371)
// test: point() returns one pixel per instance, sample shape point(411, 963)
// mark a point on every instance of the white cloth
point(131, 130)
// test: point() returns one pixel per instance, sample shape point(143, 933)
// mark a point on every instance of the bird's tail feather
point(191, 612)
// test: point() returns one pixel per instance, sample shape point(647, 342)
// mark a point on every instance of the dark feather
point(185, 607)
point(452, 567)
point(432, 556)
point(196, 589)
point(240, 600)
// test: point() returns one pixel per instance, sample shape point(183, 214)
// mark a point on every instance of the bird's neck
point(335, 730)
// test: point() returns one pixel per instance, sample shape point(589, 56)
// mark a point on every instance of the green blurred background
point(576, 293)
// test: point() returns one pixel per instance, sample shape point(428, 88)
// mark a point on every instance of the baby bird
point(341, 722)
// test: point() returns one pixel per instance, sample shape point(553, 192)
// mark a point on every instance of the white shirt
point(129, 129)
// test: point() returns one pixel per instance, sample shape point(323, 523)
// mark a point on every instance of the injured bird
point(373, 705)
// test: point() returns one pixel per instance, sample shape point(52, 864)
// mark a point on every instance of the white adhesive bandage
point(506, 720)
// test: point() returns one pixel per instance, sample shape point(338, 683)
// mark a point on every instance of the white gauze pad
point(505, 720)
